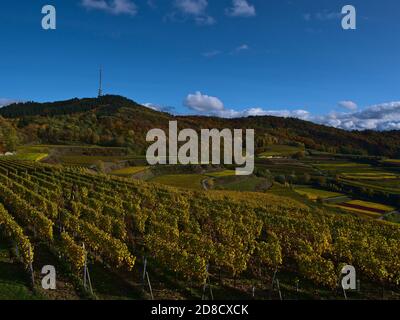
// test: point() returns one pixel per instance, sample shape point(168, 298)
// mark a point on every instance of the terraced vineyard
point(364, 208)
point(190, 181)
point(128, 171)
point(189, 234)
point(314, 194)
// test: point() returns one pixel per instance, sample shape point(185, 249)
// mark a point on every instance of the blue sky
point(223, 57)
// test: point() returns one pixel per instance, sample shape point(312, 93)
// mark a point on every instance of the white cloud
point(322, 16)
point(5, 102)
point(203, 103)
point(230, 113)
point(115, 7)
point(192, 7)
point(205, 20)
point(243, 47)
point(380, 117)
point(349, 105)
point(213, 106)
point(195, 9)
point(385, 116)
point(211, 54)
point(158, 107)
point(152, 4)
point(241, 8)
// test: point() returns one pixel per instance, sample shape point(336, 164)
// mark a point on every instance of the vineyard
point(127, 225)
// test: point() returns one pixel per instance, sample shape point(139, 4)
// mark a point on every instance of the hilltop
point(115, 121)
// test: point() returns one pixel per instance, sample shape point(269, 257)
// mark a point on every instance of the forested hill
point(118, 121)
point(29, 109)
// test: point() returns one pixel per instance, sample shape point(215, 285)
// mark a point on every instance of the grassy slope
point(14, 281)
point(314, 194)
point(234, 183)
point(225, 173)
point(372, 205)
point(189, 181)
point(128, 171)
point(280, 150)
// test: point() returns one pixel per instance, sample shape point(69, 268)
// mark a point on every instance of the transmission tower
point(101, 83)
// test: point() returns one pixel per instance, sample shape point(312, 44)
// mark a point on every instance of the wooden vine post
point(86, 275)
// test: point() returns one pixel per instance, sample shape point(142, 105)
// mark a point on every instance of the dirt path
point(355, 206)
point(388, 213)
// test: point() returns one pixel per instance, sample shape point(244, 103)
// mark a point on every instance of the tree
point(95, 138)
point(8, 136)
point(306, 178)
point(100, 166)
point(299, 155)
